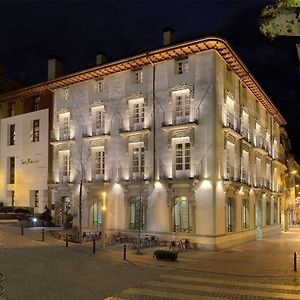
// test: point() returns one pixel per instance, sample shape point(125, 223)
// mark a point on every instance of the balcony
point(245, 177)
point(262, 145)
point(263, 183)
point(245, 132)
point(173, 118)
point(128, 174)
point(95, 132)
point(232, 124)
point(180, 172)
point(59, 178)
point(135, 125)
point(97, 176)
point(59, 136)
point(231, 173)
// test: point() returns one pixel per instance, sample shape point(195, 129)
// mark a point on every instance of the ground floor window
point(275, 212)
point(96, 213)
point(182, 215)
point(268, 213)
point(245, 214)
point(36, 198)
point(230, 207)
point(136, 213)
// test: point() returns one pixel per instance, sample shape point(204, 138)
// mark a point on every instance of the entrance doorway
point(96, 213)
point(258, 220)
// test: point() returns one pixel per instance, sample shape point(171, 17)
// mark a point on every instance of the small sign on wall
point(29, 161)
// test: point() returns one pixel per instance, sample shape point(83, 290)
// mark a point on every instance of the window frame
point(36, 130)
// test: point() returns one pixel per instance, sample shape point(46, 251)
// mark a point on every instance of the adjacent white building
point(181, 141)
point(24, 159)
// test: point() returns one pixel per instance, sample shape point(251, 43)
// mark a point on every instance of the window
point(138, 114)
point(11, 175)
point(13, 198)
point(245, 214)
point(137, 76)
point(36, 131)
point(99, 162)
point(275, 212)
point(230, 215)
point(268, 213)
point(182, 213)
point(65, 127)
point(99, 85)
point(36, 198)
point(182, 66)
point(11, 109)
point(66, 93)
point(182, 108)
point(36, 103)
point(12, 134)
point(96, 213)
point(66, 165)
point(245, 167)
point(138, 161)
point(182, 156)
point(136, 213)
point(99, 121)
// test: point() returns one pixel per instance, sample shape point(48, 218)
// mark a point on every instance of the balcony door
point(138, 161)
point(182, 159)
point(137, 112)
point(182, 108)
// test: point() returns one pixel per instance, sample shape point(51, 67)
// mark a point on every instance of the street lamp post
point(103, 229)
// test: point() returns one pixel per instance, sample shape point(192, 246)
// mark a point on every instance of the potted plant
point(165, 254)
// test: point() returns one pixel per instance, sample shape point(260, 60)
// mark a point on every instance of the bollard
point(94, 245)
point(295, 261)
point(124, 252)
point(22, 229)
point(67, 240)
point(43, 235)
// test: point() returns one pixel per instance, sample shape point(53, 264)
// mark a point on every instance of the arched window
point(275, 212)
point(136, 213)
point(96, 213)
point(230, 215)
point(245, 214)
point(268, 213)
point(182, 215)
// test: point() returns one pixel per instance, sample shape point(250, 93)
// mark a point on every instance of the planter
point(165, 255)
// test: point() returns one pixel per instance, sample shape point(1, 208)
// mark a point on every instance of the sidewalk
point(268, 257)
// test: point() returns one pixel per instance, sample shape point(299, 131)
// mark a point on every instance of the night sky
point(75, 31)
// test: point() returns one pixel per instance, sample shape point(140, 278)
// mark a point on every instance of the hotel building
point(181, 142)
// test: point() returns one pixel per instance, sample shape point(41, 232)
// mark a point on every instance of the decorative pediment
point(180, 87)
point(246, 147)
point(188, 132)
point(135, 96)
point(98, 143)
point(229, 94)
point(138, 138)
point(96, 103)
point(230, 138)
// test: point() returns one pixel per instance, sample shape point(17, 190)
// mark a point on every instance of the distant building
point(7, 84)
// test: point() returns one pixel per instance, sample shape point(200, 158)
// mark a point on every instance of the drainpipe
point(153, 119)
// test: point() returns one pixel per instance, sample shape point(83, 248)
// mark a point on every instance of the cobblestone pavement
point(48, 270)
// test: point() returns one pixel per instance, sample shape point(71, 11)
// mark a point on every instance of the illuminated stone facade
point(214, 174)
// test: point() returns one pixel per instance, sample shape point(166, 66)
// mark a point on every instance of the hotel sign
point(29, 161)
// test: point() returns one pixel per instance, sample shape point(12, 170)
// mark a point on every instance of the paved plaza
point(48, 270)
